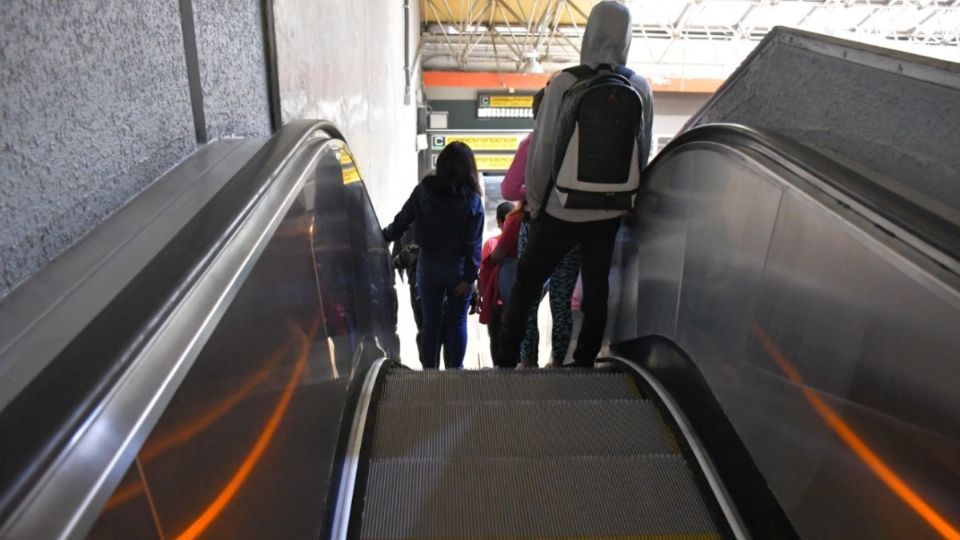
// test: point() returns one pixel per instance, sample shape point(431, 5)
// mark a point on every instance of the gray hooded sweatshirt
point(606, 40)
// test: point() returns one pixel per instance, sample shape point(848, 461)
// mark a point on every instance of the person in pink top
point(562, 281)
point(512, 187)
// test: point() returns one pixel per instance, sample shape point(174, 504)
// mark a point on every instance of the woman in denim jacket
point(448, 211)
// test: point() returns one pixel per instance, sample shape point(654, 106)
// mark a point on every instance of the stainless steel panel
point(731, 210)
point(824, 486)
point(831, 344)
point(135, 521)
point(246, 447)
point(650, 253)
point(877, 336)
point(891, 332)
point(44, 314)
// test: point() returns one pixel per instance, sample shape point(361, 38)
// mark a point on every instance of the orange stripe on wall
point(487, 80)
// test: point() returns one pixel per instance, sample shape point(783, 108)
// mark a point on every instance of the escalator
point(197, 350)
point(525, 454)
point(231, 369)
point(811, 317)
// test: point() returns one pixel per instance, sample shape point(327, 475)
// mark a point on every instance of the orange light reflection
point(184, 434)
point(124, 494)
point(266, 435)
point(152, 450)
point(859, 447)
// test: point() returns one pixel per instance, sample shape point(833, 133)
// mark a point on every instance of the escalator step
point(499, 385)
point(519, 429)
point(622, 497)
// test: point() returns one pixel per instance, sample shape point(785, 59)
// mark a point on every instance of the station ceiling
point(695, 39)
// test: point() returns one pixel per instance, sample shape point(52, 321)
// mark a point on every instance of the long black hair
point(456, 172)
point(537, 100)
point(503, 210)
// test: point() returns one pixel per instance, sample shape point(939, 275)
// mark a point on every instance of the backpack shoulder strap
point(627, 74)
point(581, 72)
point(625, 71)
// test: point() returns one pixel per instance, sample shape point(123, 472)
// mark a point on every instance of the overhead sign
point(505, 106)
point(494, 162)
point(506, 102)
point(482, 143)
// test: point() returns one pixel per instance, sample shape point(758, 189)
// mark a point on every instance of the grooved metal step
point(518, 429)
point(501, 385)
point(516, 454)
point(534, 498)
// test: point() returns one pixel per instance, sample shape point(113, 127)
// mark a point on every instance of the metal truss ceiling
point(691, 38)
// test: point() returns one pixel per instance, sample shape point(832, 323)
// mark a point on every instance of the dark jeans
point(493, 330)
point(417, 310)
point(551, 239)
point(443, 323)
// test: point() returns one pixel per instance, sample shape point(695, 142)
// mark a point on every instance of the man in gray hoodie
point(555, 229)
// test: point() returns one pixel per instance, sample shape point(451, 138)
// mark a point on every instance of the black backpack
point(597, 162)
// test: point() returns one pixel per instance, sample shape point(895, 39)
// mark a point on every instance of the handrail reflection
point(266, 436)
point(856, 443)
point(178, 437)
point(186, 433)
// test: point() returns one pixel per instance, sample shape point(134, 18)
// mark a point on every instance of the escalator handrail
point(926, 231)
point(58, 466)
point(706, 465)
point(343, 508)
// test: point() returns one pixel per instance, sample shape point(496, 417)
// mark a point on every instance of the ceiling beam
point(550, 30)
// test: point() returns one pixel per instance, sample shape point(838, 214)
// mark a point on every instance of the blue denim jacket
point(446, 226)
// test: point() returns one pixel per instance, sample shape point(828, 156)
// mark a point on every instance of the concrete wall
point(343, 62)
point(895, 114)
point(95, 105)
point(233, 68)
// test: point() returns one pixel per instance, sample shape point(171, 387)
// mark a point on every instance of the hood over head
point(607, 37)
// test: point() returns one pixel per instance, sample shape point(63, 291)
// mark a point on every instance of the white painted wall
point(671, 110)
point(343, 62)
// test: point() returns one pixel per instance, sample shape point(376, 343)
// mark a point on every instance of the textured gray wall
point(899, 126)
point(94, 107)
point(343, 61)
point(233, 71)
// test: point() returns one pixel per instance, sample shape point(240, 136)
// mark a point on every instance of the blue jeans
point(442, 324)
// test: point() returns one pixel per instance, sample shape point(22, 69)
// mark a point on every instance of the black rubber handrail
point(712, 487)
point(854, 187)
point(671, 368)
point(39, 423)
